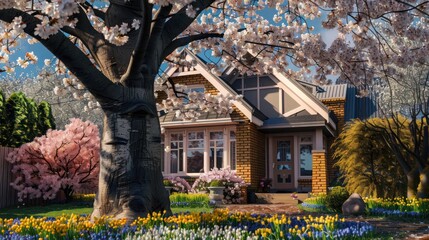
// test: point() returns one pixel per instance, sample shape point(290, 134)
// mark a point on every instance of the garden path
point(401, 230)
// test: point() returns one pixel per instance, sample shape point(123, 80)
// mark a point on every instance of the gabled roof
point(253, 114)
point(315, 110)
point(337, 91)
point(308, 101)
point(355, 107)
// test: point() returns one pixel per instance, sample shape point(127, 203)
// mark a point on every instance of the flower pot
point(216, 195)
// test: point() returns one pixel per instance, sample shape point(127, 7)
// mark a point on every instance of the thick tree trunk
point(423, 188)
point(412, 183)
point(130, 183)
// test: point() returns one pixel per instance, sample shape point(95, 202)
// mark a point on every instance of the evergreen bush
point(336, 197)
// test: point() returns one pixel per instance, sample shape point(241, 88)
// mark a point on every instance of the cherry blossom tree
point(115, 50)
point(62, 160)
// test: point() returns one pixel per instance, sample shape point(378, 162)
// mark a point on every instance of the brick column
point(320, 172)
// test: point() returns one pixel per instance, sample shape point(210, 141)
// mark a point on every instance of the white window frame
point(311, 142)
point(258, 90)
point(226, 149)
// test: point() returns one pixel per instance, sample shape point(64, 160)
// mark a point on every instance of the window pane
point(306, 160)
point(252, 97)
point(195, 161)
point(216, 149)
point(176, 137)
point(283, 151)
point(232, 135)
point(174, 160)
point(195, 152)
point(196, 135)
point(232, 158)
point(265, 81)
point(176, 152)
point(250, 82)
point(196, 144)
point(181, 160)
point(237, 84)
point(232, 151)
point(216, 135)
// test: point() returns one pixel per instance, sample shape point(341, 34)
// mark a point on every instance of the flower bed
point(397, 207)
point(401, 207)
point(217, 225)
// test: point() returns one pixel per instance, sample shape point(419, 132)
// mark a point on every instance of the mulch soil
point(396, 228)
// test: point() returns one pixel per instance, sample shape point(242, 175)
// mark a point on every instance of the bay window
point(193, 151)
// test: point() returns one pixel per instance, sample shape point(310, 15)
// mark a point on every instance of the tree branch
point(97, 12)
point(137, 56)
point(180, 21)
point(75, 60)
point(186, 40)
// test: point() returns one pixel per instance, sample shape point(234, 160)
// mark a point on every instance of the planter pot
point(216, 195)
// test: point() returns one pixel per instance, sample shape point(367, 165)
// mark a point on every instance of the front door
point(283, 162)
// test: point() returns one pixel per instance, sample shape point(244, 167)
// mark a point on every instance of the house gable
point(201, 69)
point(302, 99)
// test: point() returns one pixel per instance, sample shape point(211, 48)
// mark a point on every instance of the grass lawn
point(54, 210)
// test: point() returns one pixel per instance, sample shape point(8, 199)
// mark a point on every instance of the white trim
point(186, 73)
point(293, 111)
point(201, 122)
point(314, 105)
point(319, 139)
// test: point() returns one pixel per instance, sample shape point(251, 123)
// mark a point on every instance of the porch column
point(320, 172)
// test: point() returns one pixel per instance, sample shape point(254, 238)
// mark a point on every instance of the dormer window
point(261, 91)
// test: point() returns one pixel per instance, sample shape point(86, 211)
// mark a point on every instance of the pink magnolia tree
point(115, 50)
point(62, 160)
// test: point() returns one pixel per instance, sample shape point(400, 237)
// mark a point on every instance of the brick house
point(282, 129)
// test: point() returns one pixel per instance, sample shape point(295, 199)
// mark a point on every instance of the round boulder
point(354, 205)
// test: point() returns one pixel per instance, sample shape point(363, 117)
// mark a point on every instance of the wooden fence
point(7, 193)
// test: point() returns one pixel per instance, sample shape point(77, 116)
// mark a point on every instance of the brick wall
point(320, 176)
point(250, 153)
point(338, 107)
point(250, 142)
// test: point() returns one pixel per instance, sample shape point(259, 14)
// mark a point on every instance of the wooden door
point(283, 163)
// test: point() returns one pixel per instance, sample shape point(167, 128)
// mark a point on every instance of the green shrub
point(189, 200)
point(83, 197)
point(167, 183)
point(217, 183)
point(335, 198)
point(319, 199)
